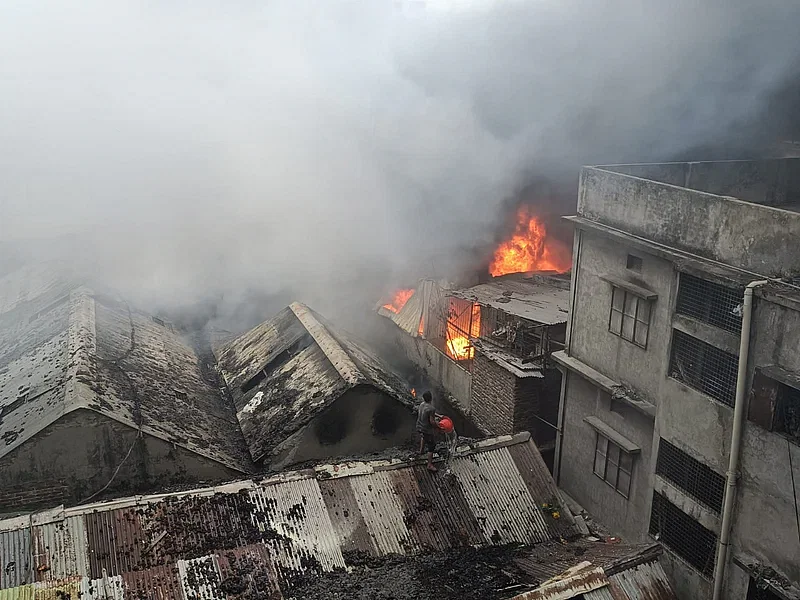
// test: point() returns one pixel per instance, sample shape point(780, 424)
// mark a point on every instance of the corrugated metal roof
point(16, 558)
point(24, 592)
point(425, 308)
point(535, 301)
point(303, 522)
point(647, 581)
point(284, 372)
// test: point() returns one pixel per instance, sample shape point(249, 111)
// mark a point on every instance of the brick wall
point(33, 495)
point(493, 396)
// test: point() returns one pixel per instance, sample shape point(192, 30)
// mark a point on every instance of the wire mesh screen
point(514, 334)
point(704, 367)
point(689, 474)
point(710, 302)
point(683, 535)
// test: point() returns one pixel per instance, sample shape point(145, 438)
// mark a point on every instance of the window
point(704, 367)
point(760, 591)
point(710, 302)
point(775, 406)
point(683, 535)
point(613, 465)
point(634, 263)
point(690, 475)
point(630, 316)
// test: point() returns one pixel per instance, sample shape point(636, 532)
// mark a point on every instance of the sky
point(242, 154)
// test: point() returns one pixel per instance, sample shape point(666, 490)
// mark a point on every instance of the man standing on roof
point(427, 426)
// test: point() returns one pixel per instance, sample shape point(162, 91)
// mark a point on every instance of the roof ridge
point(330, 346)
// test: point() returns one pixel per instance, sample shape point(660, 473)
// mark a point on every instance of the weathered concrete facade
point(661, 256)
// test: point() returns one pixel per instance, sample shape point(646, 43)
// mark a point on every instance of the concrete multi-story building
point(657, 419)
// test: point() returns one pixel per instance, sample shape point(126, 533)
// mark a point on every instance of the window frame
point(611, 449)
point(622, 311)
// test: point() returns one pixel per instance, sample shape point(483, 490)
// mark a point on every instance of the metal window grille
point(704, 367)
point(521, 338)
point(613, 465)
point(630, 317)
point(756, 591)
point(689, 474)
point(683, 535)
point(710, 302)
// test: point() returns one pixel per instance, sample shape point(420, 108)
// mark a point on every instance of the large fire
point(529, 249)
point(459, 346)
point(399, 300)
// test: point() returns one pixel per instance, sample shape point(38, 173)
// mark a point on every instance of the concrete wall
point(361, 422)
point(751, 236)
point(79, 453)
point(455, 380)
point(590, 340)
point(626, 517)
point(770, 182)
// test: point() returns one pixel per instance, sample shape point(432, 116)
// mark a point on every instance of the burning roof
point(529, 249)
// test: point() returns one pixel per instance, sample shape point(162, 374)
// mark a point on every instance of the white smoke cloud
point(195, 150)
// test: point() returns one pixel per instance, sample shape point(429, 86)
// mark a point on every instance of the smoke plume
point(233, 155)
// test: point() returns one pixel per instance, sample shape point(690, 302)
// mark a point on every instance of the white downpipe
point(732, 475)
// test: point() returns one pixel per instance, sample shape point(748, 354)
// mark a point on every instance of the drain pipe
point(736, 440)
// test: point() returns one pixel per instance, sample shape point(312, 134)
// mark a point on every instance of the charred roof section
point(286, 371)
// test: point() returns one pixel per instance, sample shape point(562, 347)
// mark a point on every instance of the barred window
point(710, 302)
point(613, 465)
point(690, 475)
point(630, 316)
point(683, 535)
point(704, 367)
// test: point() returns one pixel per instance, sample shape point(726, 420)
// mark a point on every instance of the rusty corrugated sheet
point(450, 508)
point(200, 578)
point(542, 488)
point(249, 569)
point(299, 530)
point(60, 549)
point(115, 541)
point(23, 592)
point(383, 513)
point(418, 511)
point(156, 583)
point(643, 582)
point(576, 582)
point(347, 520)
point(58, 590)
point(15, 558)
point(499, 498)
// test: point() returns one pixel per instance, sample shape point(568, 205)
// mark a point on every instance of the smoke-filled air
point(238, 155)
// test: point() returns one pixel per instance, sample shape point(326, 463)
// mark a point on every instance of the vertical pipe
point(732, 475)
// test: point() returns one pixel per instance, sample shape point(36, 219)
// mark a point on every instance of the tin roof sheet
point(536, 301)
point(423, 309)
point(304, 522)
point(284, 372)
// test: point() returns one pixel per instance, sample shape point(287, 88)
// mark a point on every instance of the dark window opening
point(634, 263)
point(384, 421)
point(332, 428)
point(709, 302)
point(760, 591)
point(775, 406)
point(278, 361)
point(630, 316)
point(683, 535)
point(704, 367)
point(690, 475)
point(613, 465)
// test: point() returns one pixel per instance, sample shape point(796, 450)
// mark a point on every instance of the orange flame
point(413, 392)
point(399, 300)
point(459, 346)
point(529, 249)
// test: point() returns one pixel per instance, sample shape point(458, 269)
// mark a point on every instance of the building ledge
point(768, 577)
point(615, 389)
point(637, 290)
point(612, 434)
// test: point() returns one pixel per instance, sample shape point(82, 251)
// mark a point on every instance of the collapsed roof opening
point(276, 363)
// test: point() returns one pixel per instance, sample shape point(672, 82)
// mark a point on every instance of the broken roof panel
point(287, 370)
point(535, 300)
point(69, 348)
point(302, 523)
point(424, 308)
